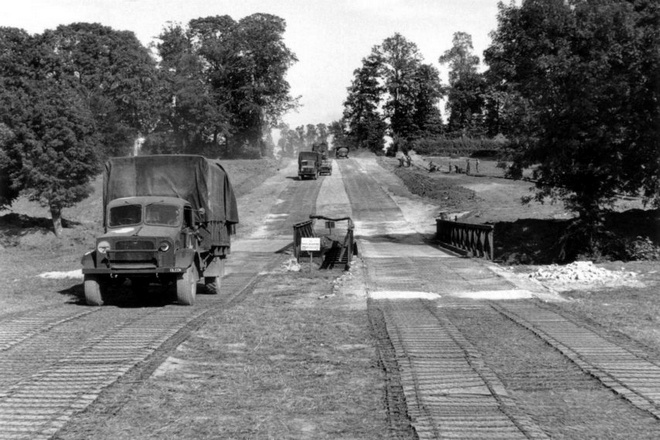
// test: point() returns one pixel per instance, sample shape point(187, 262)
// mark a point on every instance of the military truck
point(341, 153)
point(309, 163)
point(325, 168)
point(167, 219)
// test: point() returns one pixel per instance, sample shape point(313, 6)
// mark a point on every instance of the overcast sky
point(329, 37)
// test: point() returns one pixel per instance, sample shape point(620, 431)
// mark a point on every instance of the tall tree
point(393, 93)
point(193, 110)
point(339, 135)
point(311, 135)
point(400, 61)
point(465, 100)
point(229, 77)
point(49, 140)
point(589, 71)
point(118, 75)
point(365, 126)
point(426, 93)
point(323, 132)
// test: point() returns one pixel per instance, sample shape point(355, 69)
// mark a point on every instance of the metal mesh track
point(626, 373)
point(37, 402)
point(449, 391)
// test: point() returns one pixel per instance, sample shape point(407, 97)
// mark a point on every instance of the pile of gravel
point(581, 272)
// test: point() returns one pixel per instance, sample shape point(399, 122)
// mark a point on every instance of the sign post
point(310, 244)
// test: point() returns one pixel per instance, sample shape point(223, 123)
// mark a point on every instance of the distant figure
point(467, 166)
point(476, 166)
point(449, 168)
point(408, 160)
point(401, 161)
point(432, 167)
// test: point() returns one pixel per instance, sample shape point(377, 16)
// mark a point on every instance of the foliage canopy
point(586, 73)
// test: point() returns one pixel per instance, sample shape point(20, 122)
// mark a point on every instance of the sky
point(329, 37)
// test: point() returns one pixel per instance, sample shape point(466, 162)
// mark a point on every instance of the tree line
point(73, 96)
point(572, 85)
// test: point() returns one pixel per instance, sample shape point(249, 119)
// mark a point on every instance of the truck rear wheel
point(186, 287)
point(93, 291)
point(213, 285)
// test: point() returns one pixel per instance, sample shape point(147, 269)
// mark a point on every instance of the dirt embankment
point(525, 233)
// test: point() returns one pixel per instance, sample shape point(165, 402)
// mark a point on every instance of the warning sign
point(310, 244)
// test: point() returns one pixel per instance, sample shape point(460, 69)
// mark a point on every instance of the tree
point(400, 61)
point(49, 139)
point(589, 71)
point(193, 111)
point(465, 100)
point(118, 76)
point(311, 135)
point(229, 79)
point(427, 91)
point(392, 93)
point(323, 132)
point(338, 133)
point(365, 126)
point(8, 191)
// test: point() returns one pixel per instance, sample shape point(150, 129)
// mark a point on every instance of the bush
point(459, 147)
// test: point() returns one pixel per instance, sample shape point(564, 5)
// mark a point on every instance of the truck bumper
point(133, 272)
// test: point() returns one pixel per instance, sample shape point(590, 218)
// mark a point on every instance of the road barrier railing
point(301, 230)
point(471, 239)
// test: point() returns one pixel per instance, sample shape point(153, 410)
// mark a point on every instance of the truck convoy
point(167, 219)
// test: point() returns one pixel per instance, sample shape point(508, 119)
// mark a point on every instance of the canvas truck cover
point(201, 181)
point(308, 155)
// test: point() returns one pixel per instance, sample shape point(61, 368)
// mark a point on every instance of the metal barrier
point(300, 230)
point(337, 248)
point(475, 240)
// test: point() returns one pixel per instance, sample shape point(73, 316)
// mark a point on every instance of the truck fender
point(184, 257)
point(88, 260)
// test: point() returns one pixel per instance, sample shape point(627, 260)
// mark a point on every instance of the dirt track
point(467, 348)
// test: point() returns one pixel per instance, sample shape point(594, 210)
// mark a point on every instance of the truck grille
point(133, 251)
point(135, 245)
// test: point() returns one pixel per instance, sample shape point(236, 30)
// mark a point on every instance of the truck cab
point(309, 163)
point(145, 239)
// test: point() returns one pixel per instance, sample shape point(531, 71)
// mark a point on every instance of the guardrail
point(474, 240)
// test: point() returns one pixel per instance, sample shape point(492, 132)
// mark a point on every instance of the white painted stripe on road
point(396, 294)
point(494, 294)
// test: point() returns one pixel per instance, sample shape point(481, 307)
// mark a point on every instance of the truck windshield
point(125, 215)
point(162, 215)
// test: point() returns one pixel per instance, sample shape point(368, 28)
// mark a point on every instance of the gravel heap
point(581, 272)
point(291, 265)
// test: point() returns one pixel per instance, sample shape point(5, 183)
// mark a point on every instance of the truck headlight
point(102, 247)
point(164, 246)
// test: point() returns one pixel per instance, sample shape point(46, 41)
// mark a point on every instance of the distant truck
point(309, 164)
point(166, 219)
point(326, 164)
point(341, 153)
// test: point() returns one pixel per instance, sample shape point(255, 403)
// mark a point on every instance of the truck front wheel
point(186, 287)
point(93, 291)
